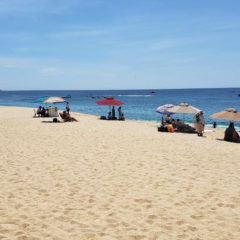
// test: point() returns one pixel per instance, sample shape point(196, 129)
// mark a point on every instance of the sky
point(119, 44)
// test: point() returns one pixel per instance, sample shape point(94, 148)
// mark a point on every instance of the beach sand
point(96, 179)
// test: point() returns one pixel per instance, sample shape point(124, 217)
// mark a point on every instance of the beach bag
point(55, 120)
point(161, 129)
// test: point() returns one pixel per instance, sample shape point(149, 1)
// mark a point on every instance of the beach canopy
point(185, 108)
point(109, 101)
point(230, 114)
point(41, 99)
point(54, 100)
point(165, 109)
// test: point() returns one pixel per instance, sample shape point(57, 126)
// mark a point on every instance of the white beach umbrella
point(185, 108)
point(230, 114)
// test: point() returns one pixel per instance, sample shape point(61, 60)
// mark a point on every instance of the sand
point(96, 179)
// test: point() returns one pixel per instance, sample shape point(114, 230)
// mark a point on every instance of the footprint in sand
point(180, 222)
point(137, 237)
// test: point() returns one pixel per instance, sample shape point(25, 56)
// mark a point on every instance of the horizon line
point(150, 89)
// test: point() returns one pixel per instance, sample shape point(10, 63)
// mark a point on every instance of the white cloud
point(77, 33)
point(165, 44)
point(6, 62)
point(44, 6)
point(50, 71)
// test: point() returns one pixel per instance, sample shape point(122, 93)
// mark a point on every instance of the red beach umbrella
point(109, 101)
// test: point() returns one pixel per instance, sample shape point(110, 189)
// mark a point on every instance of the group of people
point(170, 125)
point(112, 114)
point(65, 115)
point(42, 112)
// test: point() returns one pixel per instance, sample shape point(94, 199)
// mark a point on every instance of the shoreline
point(208, 126)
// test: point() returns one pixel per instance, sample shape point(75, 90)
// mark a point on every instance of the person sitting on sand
point(168, 119)
point(163, 128)
point(39, 111)
point(43, 112)
point(67, 118)
point(174, 124)
point(122, 118)
point(182, 127)
point(231, 134)
point(170, 128)
point(109, 116)
point(179, 124)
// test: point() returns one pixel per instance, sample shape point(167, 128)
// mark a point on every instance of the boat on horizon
point(68, 96)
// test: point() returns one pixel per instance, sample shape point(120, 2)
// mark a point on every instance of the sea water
point(138, 104)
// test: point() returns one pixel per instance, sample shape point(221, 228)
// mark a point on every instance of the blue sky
point(119, 44)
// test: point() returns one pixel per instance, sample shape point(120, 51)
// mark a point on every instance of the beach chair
point(35, 113)
point(67, 118)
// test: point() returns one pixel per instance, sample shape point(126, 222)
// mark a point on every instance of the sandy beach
point(109, 180)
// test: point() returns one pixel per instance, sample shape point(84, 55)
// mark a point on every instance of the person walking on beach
point(68, 107)
point(200, 123)
point(120, 113)
point(113, 112)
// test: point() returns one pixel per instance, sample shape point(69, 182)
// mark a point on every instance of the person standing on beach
point(68, 107)
point(119, 112)
point(200, 123)
point(113, 112)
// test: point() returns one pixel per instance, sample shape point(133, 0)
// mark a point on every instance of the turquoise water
point(138, 104)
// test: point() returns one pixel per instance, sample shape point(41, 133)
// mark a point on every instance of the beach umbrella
point(41, 99)
point(185, 108)
point(165, 109)
point(230, 114)
point(54, 100)
point(109, 101)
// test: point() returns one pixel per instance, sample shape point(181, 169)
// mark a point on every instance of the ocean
point(138, 104)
